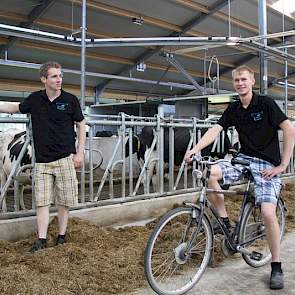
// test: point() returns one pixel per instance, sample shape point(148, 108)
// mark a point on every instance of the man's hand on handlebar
point(188, 158)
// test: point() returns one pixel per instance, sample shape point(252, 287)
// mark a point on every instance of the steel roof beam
point(20, 64)
point(243, 61)
point(18, 32)
point(150, 52)
point(34, 15)
point(282, 79)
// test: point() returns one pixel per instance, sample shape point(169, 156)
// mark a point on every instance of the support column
point(286, 85)
point(83, 52)
point(262, 19)
point(82, 100)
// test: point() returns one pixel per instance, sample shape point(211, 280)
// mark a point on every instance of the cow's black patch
point(181, 141)
point(104, 133)
point(15, 147)
point(15, 138)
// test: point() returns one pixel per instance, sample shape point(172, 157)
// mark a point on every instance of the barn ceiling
point(112, 71)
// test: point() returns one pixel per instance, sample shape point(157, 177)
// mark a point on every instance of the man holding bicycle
point(257, 120)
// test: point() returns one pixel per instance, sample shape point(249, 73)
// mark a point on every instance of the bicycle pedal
point(256, 256)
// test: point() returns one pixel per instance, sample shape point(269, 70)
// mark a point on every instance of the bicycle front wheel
point(172, 266)
point(253, 234)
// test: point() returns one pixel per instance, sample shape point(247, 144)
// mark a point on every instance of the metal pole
point(171, 157)
point(160, 148)
point(229, 17)
point(123, 153)
point(286, 86)
point(82, 100)
point(30, 134)
point(286, 72)
point(108, 169)
point(130, 136)
point(90, 147)
point(262, 18)
point(83, 52)
point(194, 119)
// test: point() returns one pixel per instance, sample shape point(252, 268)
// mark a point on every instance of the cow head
point(138, 147)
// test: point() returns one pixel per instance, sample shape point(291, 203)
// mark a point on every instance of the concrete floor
point(235, 277)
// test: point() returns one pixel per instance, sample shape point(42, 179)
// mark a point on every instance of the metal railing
point(120, 178)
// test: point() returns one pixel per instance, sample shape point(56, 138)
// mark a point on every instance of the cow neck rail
point(117, 170)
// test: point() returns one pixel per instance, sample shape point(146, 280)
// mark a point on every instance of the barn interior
point(134, 64)
point(101, 65)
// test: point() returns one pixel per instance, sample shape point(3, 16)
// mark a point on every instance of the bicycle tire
point(252, 225)
point(168, 269)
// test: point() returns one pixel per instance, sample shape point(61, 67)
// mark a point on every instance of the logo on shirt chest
point(62, 106)
point(249, 118)
point(256, 116)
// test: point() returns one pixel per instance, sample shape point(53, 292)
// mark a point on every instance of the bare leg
point(272, 229)
point(63, 216)
point(42, 221)
point(217, 199)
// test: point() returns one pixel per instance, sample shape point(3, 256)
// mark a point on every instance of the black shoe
point(217, 229)
point(38, 245)
point(276, 280)
point(61, 239)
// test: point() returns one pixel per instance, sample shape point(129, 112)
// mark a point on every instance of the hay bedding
point(94, 261)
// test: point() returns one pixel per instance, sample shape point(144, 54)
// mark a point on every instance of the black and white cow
point(12, 141)
point(12, 149)
point(181, 140)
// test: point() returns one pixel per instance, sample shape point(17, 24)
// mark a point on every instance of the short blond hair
point(43, 71)
point(243, 68)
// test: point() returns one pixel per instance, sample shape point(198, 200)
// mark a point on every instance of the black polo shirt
point(53, 124)
point(257, 126)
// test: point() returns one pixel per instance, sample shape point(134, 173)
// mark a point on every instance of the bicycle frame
point(203, 203)
point(188, 251)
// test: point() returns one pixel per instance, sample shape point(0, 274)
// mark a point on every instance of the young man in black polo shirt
point(257, 120)
point(54, 113)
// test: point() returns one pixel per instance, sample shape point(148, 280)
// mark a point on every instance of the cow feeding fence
point(109, 176)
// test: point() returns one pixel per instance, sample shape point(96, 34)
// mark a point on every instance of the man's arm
point(288, 144)
point(288, 147)
point(9, 107)
point(206, 139)
point(79, 156)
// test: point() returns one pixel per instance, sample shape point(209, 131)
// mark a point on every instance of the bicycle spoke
point(164, 262)
point(165, 270)
point(170, 264)
point(253, 235)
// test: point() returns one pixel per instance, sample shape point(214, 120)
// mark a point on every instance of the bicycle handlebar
point(208, 161)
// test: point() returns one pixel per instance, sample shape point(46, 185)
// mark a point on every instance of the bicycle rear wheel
point(170, 267)
point(253, 235)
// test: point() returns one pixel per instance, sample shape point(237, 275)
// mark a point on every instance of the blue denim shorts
point(266, 190)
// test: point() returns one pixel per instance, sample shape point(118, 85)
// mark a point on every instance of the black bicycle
point(181, 244)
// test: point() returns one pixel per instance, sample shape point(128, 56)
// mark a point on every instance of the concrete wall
point(110, 215)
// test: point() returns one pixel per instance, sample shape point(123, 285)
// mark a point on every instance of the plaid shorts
point(266, 190)
point(57, 178)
